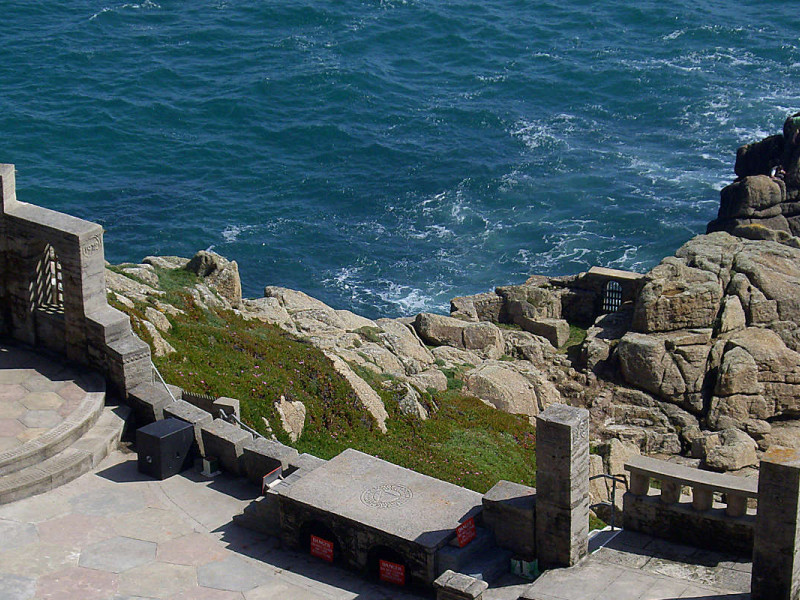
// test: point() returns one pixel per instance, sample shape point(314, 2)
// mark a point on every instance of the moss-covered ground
point(464, 441)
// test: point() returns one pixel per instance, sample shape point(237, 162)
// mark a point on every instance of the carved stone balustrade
point(694, 518)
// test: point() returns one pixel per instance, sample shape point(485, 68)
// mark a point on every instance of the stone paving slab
point(633, 566)
point(45, 406)
point(81, 541)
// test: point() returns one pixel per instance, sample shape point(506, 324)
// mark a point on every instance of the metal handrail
point(164, 383)
point(232, 417)
point(621, 479)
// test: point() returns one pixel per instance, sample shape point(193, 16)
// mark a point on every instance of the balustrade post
point(737, 505)
point(562, 485)
point(640, 484)
point(670, 492)
point(776, 547)
point(702, 499)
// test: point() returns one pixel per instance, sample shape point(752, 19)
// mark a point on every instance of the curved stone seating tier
point(54, 424)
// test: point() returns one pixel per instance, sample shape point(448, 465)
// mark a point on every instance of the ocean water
point(386, 155)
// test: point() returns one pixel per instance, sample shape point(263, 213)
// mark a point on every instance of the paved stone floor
point(36, 395)
point(115, 534)
point(633, 566)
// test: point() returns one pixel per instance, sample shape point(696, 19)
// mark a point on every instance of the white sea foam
point(146, 5)
point(408, 299)
point(674, 35)
point(231, 233)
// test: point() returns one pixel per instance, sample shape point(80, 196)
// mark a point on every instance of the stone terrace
point(633, 566)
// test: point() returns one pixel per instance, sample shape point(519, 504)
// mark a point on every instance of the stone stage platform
point(373, 510)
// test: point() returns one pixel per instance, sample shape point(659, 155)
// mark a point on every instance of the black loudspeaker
point(164, 447)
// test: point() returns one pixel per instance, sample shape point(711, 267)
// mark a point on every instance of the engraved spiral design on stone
point(387, 495)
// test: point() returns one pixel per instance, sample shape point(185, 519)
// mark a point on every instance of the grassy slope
point(219, 353)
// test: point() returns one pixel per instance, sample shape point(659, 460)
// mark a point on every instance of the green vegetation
point(577, 335)
point(220, 353)
point(370, 334)
point(595, 523)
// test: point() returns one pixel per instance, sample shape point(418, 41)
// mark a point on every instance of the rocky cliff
point(700, 358)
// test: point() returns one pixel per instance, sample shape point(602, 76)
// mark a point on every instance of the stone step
point(261, 515)
point(80, 457)
point(489, 565)
point(454, 558)
point(52, 442)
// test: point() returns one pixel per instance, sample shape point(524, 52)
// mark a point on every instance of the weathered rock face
point(293, 417)
point(403, 341)
point(219, 273)
point(602, 338)
point(768, 189)
point(735, 450)
point(438, 330)
point(716, 333)
point(511, 387)
point(672, 366)
point(369, 398)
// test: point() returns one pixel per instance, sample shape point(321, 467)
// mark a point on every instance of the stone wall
point(53, 293)
point(353, 542)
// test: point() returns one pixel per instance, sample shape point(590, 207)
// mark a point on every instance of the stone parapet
point(509, 512)
point(180, 409)
point(225, 442)
point(147, 402)
point(53, 293)
point(694, 519)
point(260, 457)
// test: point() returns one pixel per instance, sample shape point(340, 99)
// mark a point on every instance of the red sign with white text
point(392, 572)
point(466, 532)
point(321, 548)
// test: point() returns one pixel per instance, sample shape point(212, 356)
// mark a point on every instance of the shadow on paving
point(260, 546)
point(267, 549)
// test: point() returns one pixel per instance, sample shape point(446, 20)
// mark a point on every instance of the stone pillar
point(562, 484)
point(776, 551)
point(8, 187)
point(8, 197)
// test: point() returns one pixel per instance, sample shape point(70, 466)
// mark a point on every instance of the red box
point(466, 532)
point(322, 548)
point(392, 572)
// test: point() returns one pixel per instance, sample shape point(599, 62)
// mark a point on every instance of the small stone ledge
point(225, 442)
point(180, 409)
point(304, 463)
point(457, 586)
point(509, 511)
point(260, 456)
point(147, 402)
point(229, 405)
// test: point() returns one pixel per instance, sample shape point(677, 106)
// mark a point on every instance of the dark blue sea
point(385, 156)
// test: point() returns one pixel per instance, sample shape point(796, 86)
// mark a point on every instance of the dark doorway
point(612, 297)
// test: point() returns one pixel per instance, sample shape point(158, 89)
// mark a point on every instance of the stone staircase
point(481, 558)
point(74, 447)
